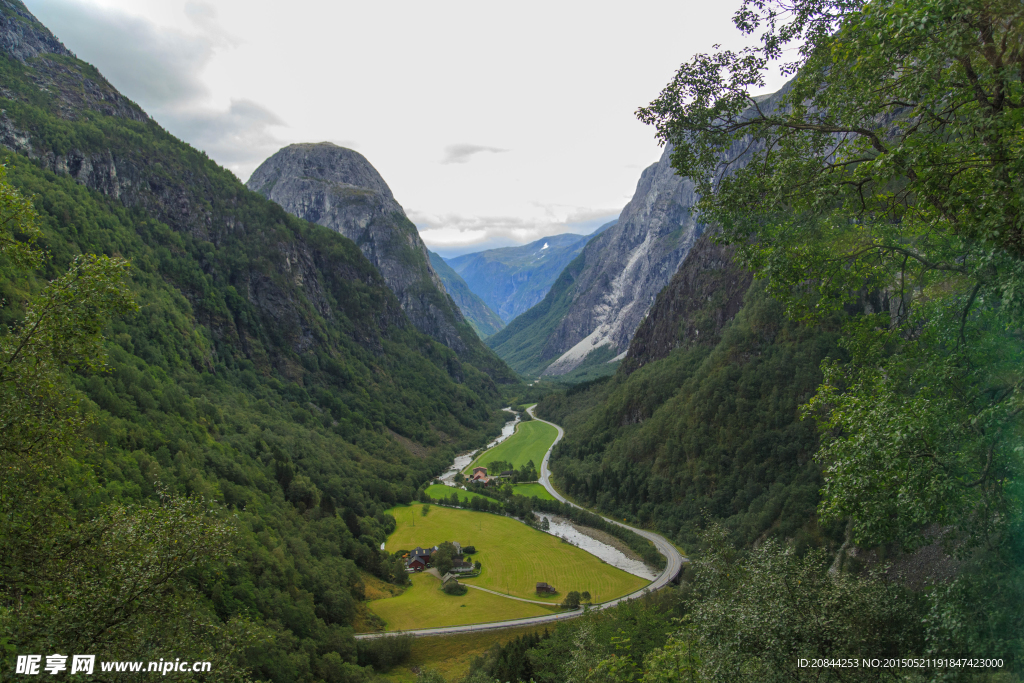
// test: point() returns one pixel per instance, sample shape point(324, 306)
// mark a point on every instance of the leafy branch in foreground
point(886, 179)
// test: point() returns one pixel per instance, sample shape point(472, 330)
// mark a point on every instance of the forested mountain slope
point(701, 420)
point(269, 368)
point(485, 321)
point(339, 189)
point(512, 279)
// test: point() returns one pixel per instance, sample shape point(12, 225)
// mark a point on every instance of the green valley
point(514, 556)
point(530, 441)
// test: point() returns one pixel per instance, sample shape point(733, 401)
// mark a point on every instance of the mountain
point(339, 189)
point(513, 279)
point(270, 370)
point(597, 302)
point(485, 321)
point(701, 419)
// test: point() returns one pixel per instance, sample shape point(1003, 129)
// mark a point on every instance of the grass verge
point(532, 491)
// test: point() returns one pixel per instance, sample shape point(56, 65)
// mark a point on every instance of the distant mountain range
point(511, 280)
point(485, 321)
point(594, 307)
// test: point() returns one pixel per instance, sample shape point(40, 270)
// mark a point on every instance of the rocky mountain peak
point(321, 161)
point(340, 189)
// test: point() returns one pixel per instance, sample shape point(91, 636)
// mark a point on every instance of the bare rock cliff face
point(626, 267)
point(339, 189)
point(701, 298)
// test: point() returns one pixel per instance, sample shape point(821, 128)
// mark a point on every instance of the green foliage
point(705, 430)
point(443, 557)
point(383, 653)
point(754, 615)
point(887, 181)
point(453, 587)
point(572, 600)
point(103, 578)
point(889, 176)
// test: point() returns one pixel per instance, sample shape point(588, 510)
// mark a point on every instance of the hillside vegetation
point(268, 372)
point(485, 321)
point(710, 431)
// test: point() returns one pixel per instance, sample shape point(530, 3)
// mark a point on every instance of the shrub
point(453, 587)
point(383, 653)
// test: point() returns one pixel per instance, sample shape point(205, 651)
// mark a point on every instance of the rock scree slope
point(602, 295)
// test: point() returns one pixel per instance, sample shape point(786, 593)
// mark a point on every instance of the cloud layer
point(454, 234)
point(461, 154)
point(160, 69)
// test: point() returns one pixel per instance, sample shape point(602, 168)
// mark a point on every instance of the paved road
point(674, 559)
point(673, 565)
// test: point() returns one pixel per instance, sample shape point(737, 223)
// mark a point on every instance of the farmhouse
point(462, 566)
point(419, 558)
point(480, 475)
point(545, 588)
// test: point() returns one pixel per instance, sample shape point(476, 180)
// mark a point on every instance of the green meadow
point(528, 490)
point(532, 491)
point(442, 491)
point(530, 442)
point(425, 605)
point(514, 556)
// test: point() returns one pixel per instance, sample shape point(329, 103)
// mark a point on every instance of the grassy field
point(532, 491)
point(442, 491)
point(528, 490)
point(424, 605)
point(514, 556)
point(530, 442)
point(451, 655)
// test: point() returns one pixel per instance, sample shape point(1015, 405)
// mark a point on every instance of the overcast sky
point(492, 123)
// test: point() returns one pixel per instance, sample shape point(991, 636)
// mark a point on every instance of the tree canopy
point(886, 179)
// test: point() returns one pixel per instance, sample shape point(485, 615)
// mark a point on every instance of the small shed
point(545, 588)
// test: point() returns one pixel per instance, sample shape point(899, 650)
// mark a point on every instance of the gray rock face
point(20, 34)
point(694, 307)
point(339, 189)
point(626, 267)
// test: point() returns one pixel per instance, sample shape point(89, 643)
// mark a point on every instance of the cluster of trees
point(527, 472)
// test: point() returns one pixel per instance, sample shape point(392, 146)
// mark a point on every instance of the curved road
point(673, 565)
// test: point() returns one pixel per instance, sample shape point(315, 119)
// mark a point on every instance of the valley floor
point(514, 557)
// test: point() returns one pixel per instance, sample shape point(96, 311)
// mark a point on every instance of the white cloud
point(461, 154)
point(463, 234)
